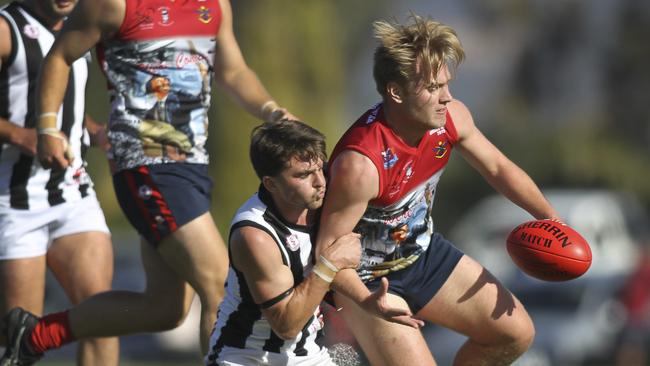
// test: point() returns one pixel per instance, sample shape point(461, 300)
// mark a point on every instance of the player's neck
point(400, 124)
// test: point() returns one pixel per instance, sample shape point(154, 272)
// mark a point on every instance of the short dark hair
point(273, 144)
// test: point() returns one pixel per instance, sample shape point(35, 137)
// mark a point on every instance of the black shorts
point(158, 199)
point(419, 282)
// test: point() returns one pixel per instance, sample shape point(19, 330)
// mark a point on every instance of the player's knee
point(168, 318)
point(521, 334)
point(211, 287)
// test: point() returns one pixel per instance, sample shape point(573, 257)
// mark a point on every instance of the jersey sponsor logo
point(31, 31)
point(441, 150)
point(438, 131)
point(204, 14)
point(184, 59)
point(389, 157)
point(165, 19)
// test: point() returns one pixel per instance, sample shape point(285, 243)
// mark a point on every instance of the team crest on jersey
point(31, 31)
point(441, 150)
point(204, 14)
point(408, 171)
point(389, 157)
point(293, 243)
point(165, 19)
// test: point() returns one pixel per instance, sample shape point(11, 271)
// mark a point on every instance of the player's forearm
point(7, 132)
point(51, 90)
point(348, 284)
point(288, 321)
point(247, 90)
point(516, 185)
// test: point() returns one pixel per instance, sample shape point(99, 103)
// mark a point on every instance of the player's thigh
point(473, 302)
point(383, 342)
point(197, 253)
point(23, 244)
point(82, 263)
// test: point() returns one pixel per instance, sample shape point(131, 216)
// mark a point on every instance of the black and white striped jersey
point(24, 184)
point(241, 329)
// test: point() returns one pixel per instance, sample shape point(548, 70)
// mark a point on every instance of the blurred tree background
point(561, 87)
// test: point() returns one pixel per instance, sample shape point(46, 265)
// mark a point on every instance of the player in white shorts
point(48, 218)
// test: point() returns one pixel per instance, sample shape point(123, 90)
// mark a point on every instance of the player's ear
point(394, 92)
point(269, 183)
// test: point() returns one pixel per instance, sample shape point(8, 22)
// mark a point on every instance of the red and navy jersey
point(396, 227)
point(159, 68)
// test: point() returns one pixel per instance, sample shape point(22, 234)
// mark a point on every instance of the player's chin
point(315, 204)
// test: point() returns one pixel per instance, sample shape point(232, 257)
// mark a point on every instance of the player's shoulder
point(458, 110)
point(250, 245)
point(461, 116)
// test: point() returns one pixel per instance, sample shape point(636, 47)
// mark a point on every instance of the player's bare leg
point(473, 302)
point(162, 306)
point(83, 265)
point(198, 254)
point(22, 283)
point(385, 343)
point(193, 254)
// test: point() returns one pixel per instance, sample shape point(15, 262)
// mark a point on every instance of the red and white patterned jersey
point(159, 68)
point(396, 227)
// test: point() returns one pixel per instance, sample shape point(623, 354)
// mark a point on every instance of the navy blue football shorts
point(419, 282)
point(159, 199)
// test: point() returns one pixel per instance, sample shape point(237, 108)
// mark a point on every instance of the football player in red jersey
point(383, 176)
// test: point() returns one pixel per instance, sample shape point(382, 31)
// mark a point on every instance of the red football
point(549, 250)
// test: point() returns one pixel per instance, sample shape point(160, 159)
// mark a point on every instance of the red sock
point(51, 331)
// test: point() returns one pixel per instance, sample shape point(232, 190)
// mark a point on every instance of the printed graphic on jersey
point(389, 158)
point(394, 237)
point(161, 95)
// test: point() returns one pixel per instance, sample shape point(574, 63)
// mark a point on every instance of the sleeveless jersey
point(396, 227)
point(159, 67)
point(24, 184)
point(241, 330)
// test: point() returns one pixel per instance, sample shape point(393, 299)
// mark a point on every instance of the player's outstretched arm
point(499, 171)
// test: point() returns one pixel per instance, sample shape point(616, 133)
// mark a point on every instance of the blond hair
point(415, 51)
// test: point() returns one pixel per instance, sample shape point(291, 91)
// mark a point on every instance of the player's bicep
point(89, 23)
point(228, 56)
point(257, 255)
point(475, 148)
point(354, 181)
